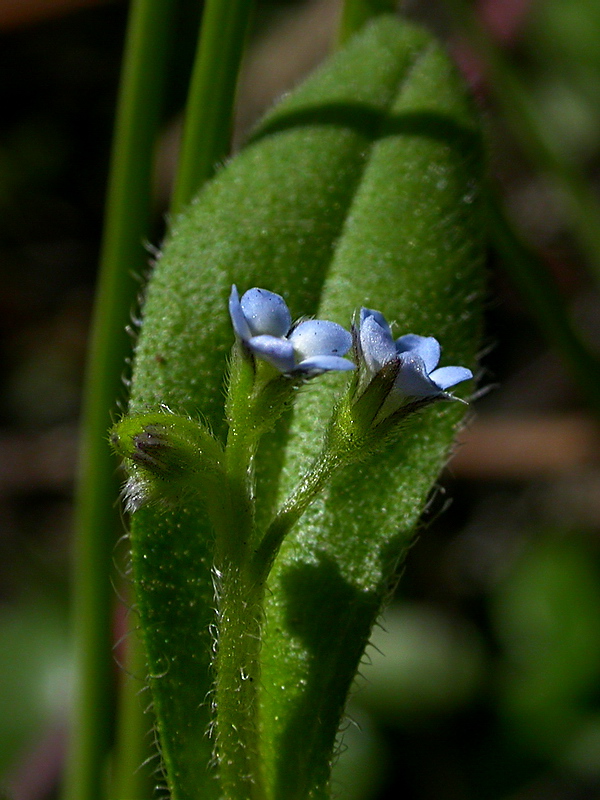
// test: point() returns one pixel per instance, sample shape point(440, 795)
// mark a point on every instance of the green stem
point(207, 131)
point(546, 304)
point(294, 507)
point(534, 135)
point(96, 517)
point(237, 681)
point(257, 395)
point(356, 13)
point(240, 587)
point(242, 441)
point(240, 596)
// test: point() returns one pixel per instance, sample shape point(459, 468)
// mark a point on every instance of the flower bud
point(165, 455)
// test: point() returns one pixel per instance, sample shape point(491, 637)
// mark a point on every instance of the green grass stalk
point(96, 516)
point(206, 137)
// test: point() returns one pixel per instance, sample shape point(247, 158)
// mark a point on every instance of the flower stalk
point(237, 669)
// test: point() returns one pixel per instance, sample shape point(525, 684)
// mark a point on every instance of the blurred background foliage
point(483, 679)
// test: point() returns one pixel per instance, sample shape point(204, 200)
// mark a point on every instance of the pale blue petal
point(412, 379)
point(365, 313)
point(266, 313)
point(445, 377)
point(317, 337)
point(377, 344)
point(238, 320)
point(425, 346)
point(318, 364)
point(276, 351)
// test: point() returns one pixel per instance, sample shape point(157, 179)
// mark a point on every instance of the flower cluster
point(262, 321)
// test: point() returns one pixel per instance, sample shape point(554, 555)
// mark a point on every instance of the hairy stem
point(240, 599)
point(294, 507)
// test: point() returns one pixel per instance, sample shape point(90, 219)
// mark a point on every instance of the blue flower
point(411, 359)
point(262, 321)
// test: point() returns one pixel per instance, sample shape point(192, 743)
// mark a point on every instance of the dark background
point(489, 687)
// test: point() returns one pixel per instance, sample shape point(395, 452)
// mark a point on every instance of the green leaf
point(359, 188)
point(412, 248)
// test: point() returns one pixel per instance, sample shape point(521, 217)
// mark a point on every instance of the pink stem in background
point(504, 19)
point(39, 770)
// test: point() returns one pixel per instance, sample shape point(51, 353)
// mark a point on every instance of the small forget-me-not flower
point(262, 321)
point(411, 362)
